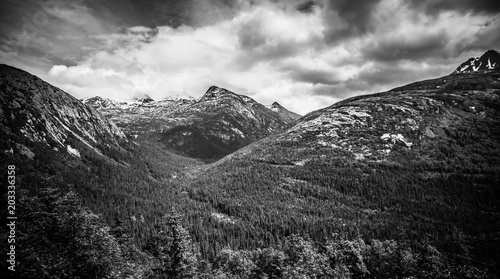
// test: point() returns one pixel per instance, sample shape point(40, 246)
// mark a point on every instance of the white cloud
point(57, 70)
point(186, 61)
point(270, 53)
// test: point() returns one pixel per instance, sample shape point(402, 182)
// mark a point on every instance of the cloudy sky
point(304, 54)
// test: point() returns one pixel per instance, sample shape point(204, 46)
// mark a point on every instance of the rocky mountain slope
point(418, 115)
point(488, 61)
point(210, 127)
point(32, 112)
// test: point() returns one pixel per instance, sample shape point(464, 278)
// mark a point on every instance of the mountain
point(218, 123)
point(283, 112)
point(488, 61)
point(34, 113)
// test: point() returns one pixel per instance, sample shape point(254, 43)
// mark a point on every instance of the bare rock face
point(210, 127)
point(33, 110)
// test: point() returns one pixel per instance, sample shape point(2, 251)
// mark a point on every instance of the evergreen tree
point(59, 238)
point(174, 250)
point(303, 261)
point(183, 255)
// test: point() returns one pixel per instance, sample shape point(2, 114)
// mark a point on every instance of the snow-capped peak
point(99, 102)
point(488, 61)
point(276, 107)
point(215, 92)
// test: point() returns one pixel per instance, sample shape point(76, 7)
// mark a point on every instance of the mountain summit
point(217, 92)
point(283, 112)
point(488, 61)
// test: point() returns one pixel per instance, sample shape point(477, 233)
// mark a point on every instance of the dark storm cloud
point(387, 73)
point(48, 32)
point(314, 76)
point(382, 78)
point(343, 90)
point(307, 7)
point(63, 32)
point(153, 13)
point(390, 75)
point(412, 47)
point(356, 15)
point(435, 7)
point(488, 37)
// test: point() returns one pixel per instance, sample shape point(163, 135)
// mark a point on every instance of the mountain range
point(218, 123)
point(418, 164)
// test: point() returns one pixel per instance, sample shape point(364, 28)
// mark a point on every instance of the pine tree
point(183, 256)
point(174, 250)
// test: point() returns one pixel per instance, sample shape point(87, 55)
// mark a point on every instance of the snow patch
point(236, 130)
point(359, 156)
point(395, 138)
point(302, 162)
point(81, 139)
point(73, 151)
point(223, 218)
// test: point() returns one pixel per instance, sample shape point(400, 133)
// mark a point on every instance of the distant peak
point(214, 88)
point(100, 102)
point(95, 98)
point(276, 105)
point(214, 92)
point(488, 61)
point(144, 100)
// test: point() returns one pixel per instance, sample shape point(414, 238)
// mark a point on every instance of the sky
point(306, 55)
